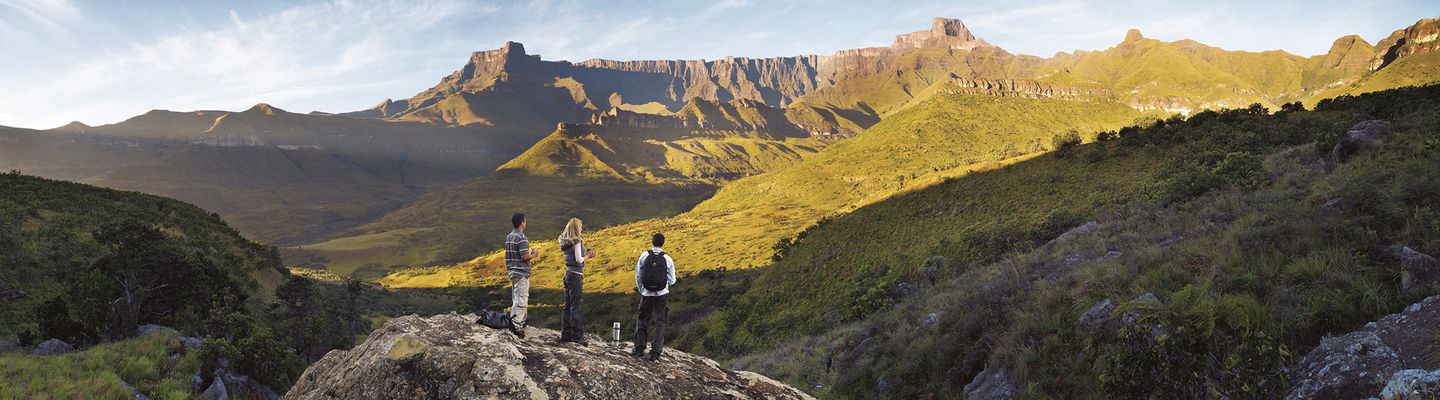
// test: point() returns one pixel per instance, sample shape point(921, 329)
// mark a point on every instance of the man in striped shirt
point(517, 263)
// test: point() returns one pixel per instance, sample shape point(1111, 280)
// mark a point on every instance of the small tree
point(136, 261)
point(1065, 143)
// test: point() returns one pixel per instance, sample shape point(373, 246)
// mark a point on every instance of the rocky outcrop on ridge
point(450, 356)
point(1020, 88)
point(944, 33)
point(1421, 38)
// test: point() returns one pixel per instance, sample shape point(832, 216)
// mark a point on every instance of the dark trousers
point(656, 310)
point(570, 326)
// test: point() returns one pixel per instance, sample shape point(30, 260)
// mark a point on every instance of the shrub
point(1241, 169)
point(1065, 143)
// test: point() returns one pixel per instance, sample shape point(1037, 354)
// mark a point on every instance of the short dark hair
point(658, 240)
point(517, 219)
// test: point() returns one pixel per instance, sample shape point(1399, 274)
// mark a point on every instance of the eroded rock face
point(1421, 38)
point(452, 357)
point(1358, 364)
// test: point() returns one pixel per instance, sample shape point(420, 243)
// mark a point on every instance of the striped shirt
point(516, 247)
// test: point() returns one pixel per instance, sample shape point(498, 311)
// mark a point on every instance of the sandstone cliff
point(451, 357)
point(1421, 38)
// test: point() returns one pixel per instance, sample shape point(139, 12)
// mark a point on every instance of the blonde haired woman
point(573, 246)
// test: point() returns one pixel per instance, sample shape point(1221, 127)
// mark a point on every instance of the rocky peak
point(1344, 43)
point(263, 108)
point(450, 356)
point(508, 57)
point(944, 32)
point(1133, 35)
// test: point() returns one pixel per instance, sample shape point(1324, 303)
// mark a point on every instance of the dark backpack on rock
point(495, 319)
point(654, 273)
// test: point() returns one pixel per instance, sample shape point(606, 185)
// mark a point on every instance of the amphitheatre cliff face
point(449, 356)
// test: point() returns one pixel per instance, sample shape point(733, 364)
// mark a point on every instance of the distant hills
point(277, 176)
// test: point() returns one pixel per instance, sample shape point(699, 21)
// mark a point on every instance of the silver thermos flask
point(615, 332)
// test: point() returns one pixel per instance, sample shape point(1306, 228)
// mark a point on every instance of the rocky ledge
point(450, 356)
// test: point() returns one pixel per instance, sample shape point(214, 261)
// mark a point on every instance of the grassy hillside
point(606, 176)
point(96, 373)
point(739, 227)
point(1255, 243)
point(47, 238)
point(472, 218)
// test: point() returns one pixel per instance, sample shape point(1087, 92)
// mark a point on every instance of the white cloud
point(290, 56)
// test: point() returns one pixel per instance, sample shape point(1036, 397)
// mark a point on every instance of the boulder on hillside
point(451, 356)
point(1358, 364)
point(134, 393)
point(1353, 366)
point(1418, 271)
point(226, 384)
point(1097, 315)
point(1412, 384)
point(1360, 136)
point(1077, 231)
point(52, 347)
point(991, 384)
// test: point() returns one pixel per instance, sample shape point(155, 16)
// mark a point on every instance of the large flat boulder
point(450, 356)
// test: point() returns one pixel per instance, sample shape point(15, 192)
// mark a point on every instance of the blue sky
point(103, 61)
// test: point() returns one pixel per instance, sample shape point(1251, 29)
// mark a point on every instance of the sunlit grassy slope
point(739, 226)
point(1256, 243)
point(95, 373)
point(603, 175)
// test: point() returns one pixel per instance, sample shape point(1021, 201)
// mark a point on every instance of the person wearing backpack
point(654, 274)
point(575, 252)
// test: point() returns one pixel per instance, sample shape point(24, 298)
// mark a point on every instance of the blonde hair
point(571, 234)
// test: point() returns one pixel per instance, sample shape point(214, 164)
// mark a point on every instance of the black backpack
point(654, 273)
point(495, 319)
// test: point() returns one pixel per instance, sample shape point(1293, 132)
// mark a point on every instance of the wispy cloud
point(293, 54)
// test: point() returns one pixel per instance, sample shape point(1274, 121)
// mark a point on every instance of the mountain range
point(338, 189)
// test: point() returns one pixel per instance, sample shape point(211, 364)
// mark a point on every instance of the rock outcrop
point(1020, 88)
point(1359, 364)
point(450, 356)
point(52, 347)
point(1421, 38)
point(1418, 271)
point(944, 33)
point(991, 384)
point(1363, 135)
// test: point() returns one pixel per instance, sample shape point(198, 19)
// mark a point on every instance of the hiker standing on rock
point(575, 255)
point(517, 263)
point(653, 276)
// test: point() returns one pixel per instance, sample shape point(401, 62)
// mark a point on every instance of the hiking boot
point(638, 353)
point(654, 356)
point(519, 332)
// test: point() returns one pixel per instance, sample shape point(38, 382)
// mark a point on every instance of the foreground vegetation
point(87, 265)
point(96, 373)
point(1254, 239)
